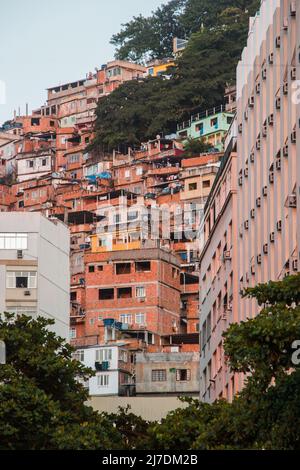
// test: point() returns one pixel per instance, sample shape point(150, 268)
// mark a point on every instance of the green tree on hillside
point(152, 38)
point(139, 111)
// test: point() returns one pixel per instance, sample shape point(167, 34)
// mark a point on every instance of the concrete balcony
point(164, 171)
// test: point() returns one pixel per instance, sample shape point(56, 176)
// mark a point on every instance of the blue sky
point(47, 42)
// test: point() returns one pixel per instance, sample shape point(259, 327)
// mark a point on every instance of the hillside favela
point(150, 232)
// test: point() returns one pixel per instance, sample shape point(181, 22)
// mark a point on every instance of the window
point(13, 241)
point(140, 292)
point(100, 267)
point(140, 318)
point(206, 184)
point(44, 161)
point(123, 268)
point(127, 174)
point(117, 218)
point(106, 294)
point(142, 266)
point(102, 242)
point(35, 121)
point(139, 171)
point(21, 280)
point(73, 296)
point(103, 380)
point(72, 333)
point(124, 293)
point(214, 122)
point(175, 273)
point(79, 355)
point(123, 355)
point(103, 355)
point(91, 269)
point(159, 375)
point(229, 119)
point(92, 321)
point(200, 128)
point(31, 311)
point(30, 163)
point(126, 318)
point(183, 375)
point(132, 216)
point(192, 186)
point(75, 158)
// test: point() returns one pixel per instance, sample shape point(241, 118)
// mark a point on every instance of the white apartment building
point(34, 267)
point(112, 365)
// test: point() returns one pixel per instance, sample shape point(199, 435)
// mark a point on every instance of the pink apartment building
point(252, 215)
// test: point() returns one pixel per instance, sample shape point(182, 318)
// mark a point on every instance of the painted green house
point(211, 126)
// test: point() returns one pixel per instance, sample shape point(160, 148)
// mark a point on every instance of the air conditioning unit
point(292, 201)
point(257, 88)
point(278, 102)
point(246, 115)
point(265, 191)
point(271, 119)
point(252, 213)
point(294, 137)
point(227, 255)
point(272, 237)
point(253, 270)
point(240, 181)
point(258, 259)
point(264, 74)
point(19, 254)
point(258, 144)
point(271, 177)
point(246, 172)
point(251, 101)
point(271, 58)
point(252, 157)
point(286, 151)
point(246, 224)
point(279, 226)
point(266, 248)
point(264, 131)
point(240, 128)
point(258, 202)
point(285, 88)
point(295, 265)
point(294, 73)
point(285, 23)
point(27, 293)
point(278, 42)
point(278, 165)
point(293, 8)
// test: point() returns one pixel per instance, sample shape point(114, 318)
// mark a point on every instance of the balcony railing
point(201, 115)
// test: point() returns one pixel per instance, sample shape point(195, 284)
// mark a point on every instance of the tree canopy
point(138, 111)
point(145, 38)
point(42, 403)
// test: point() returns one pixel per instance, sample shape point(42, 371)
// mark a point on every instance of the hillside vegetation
point(139, 110)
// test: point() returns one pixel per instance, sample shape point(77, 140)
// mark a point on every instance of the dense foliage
point(140, 110)
point(152, 38)
point(42, 405)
